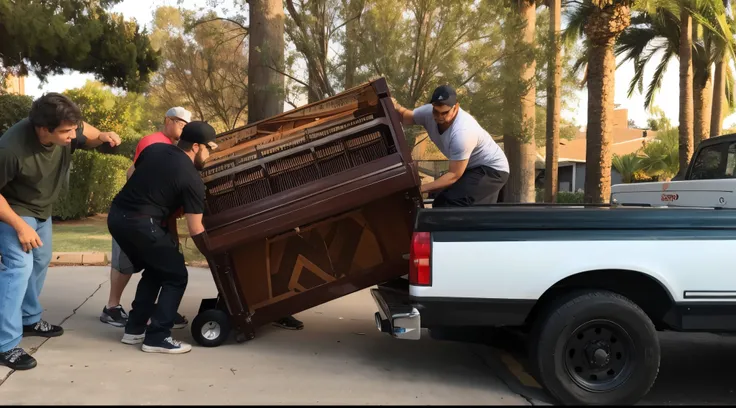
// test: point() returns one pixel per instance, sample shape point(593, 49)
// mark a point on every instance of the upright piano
point(306, 207)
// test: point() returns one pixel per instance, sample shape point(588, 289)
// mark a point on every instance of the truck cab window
point(731, 161)
point(709, 164)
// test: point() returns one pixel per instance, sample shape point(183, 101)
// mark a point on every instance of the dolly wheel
point(211, 328)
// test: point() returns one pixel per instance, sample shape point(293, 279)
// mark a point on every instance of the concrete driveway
point(339, 358)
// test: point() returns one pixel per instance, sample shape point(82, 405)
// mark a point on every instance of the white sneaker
point(167, 346)
point(133, 338)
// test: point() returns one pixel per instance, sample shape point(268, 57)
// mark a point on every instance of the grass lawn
point(91, 235)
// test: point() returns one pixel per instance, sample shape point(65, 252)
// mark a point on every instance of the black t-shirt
point(164, 180)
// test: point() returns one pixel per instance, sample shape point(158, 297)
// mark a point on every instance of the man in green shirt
point(35, 157)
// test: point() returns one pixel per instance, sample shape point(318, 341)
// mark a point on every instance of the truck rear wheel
point(595, 348)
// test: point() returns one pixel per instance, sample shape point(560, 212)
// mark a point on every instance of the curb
point(93, 259)
point(80, 258)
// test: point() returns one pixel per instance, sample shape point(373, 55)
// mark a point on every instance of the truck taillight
point(420, 272)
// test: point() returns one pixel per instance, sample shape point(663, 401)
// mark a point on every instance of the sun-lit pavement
point(338, 358)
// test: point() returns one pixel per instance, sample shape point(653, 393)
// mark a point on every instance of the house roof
point(625, 141)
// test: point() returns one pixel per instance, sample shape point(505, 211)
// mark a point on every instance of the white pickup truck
point(710, 181)
point(591, 285)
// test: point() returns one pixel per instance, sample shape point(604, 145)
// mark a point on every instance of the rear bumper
point(396, 315)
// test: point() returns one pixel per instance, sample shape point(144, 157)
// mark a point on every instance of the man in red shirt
point(121, 268)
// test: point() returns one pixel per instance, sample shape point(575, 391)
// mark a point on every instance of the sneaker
point(180, 321)
point(133, 338)
point(289, 323)
point(42, 329)
point(17, 359)
point(114, 316)
point(167, 346)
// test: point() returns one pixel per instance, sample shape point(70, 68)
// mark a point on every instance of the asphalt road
point(695, 369)
point(338, 358)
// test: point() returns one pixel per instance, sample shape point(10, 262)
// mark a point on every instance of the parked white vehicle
point(709, 181)
point(590, 285)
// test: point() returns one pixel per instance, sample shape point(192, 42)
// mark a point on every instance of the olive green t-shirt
point(31, 174)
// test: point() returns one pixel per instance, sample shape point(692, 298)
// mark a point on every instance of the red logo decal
point(670, 197)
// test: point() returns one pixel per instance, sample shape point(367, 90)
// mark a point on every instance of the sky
point(667, 99)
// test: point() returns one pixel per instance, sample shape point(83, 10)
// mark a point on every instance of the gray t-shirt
point(465, 139)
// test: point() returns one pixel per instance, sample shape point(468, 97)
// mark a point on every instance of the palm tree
point(666, 31)
point(600, 22)
point(627, 165)
point(686, 83)
point(554, 79)
point(519, 141)
point(660, 158)
point(722, 75)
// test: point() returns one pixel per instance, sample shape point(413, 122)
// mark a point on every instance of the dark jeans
point(477, 186)
point(154, 250)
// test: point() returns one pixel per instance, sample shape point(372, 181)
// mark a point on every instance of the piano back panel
point(297, 270)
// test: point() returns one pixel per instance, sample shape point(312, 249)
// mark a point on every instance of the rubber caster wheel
point(211, 328)
point(241, 337)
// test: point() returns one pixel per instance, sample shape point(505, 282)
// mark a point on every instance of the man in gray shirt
point(478, 166)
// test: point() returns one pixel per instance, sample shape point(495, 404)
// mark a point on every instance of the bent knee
point(17, 262)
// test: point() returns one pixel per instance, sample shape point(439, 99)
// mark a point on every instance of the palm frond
point(577, 16)
point(729, 87)
point(656, 83)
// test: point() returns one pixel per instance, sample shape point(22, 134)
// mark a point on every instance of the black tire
point(596, 325)
point(211, 328)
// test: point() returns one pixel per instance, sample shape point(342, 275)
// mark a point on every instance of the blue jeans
point(21, 279)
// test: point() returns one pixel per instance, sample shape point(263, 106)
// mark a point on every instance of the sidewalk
point(339, 358)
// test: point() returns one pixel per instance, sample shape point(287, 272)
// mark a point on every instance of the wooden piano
point(305, 207)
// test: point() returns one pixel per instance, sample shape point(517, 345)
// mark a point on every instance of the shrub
point(563, 197)
point(108, 175)
point(74, 196)
point(94, 180)
point(129, 139)
point(13, 108)
point(569, 197)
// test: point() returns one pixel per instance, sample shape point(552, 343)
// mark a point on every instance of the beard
point(199, 162)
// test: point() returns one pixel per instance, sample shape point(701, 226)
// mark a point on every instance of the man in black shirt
point(165, 179)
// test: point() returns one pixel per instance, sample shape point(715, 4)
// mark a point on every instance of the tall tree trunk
point(353, 9)
point(686, 89)
point(554, 80)
point(313, 85)
point(602, 28)
point(601, 87)
point(527, 145)
point(702, 98)
point(719, 92)
point(266, 58)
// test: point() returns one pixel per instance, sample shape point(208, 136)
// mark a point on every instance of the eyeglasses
point(435, 112)
point(179, 122)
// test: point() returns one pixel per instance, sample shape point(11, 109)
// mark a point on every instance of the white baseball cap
point(179, 112)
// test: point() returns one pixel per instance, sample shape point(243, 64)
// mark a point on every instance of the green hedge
point(94, 180)
point(13, 108)
point(563, 197)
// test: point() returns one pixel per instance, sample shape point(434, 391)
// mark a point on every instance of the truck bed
point(499, 220)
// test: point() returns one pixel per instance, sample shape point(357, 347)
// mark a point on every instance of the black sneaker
point(114, 316)
point(42, 329)
point(17, 359)
point(166, 346)
point(289, 323)
point(180, 321)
